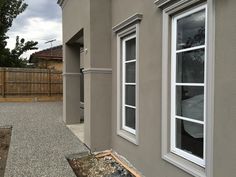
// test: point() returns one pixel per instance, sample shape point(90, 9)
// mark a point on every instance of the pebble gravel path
point(40, 140)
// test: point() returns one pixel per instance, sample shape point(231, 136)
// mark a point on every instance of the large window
point(129, 83)
point(188, 85)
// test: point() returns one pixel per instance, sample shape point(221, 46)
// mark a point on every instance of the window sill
point(185, 165)
point(128, 136)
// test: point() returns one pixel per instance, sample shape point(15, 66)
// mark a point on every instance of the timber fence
point(30, 82)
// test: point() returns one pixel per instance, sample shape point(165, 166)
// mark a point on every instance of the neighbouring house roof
point(54, 53)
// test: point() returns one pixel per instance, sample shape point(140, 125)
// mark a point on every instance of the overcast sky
point(41, 22)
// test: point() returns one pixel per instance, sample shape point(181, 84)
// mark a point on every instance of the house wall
point(93, 18)
point(100, 74)
point(55, 65)
point(71, 56)
point(225, 89)
point(147, 155)
point(47, 64)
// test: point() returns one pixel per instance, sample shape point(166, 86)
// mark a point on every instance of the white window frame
point(123, 31)
point(124, 83)
point(124, 131)
point(174, 117)
point(169, 9)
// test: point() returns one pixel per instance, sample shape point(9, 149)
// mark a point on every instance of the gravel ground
point(40, 140)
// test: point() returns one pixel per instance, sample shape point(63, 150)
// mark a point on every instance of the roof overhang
point(161, 3)
point(61, 2)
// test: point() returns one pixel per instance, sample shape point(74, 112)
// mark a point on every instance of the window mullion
point(191, 49)
point(190, 120)
point(130, 61)
point(190, 84)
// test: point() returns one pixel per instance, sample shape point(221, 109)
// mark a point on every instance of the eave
point(61, 2)
point(161, 3)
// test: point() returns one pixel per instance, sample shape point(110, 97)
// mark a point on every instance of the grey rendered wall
point(225, 90)
point(71, 56)
point(76, 15)
point(100, 75)
point(147, 155)
point(94, 18)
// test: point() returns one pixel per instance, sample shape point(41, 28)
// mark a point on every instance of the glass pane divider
point(134, 84)
point(129, 106)
point(191, 49)
point(130, 61)
point(190, 84)
point(190, 120)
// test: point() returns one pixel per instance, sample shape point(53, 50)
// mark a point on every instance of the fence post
point(49, 82)
point(3, 81)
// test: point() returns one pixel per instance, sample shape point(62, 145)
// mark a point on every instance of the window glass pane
point(189, 137)
point(190, 67)
point(81, 85)
point(130, 95)
point(130, 72)
point(130, 117)
point(190, 102)
point(130, 49)
point(191, 30)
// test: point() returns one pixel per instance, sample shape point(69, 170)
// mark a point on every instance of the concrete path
point(40, 140)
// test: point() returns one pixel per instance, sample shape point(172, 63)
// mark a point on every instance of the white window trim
point(124, 131)
point(124, 62)
point(174, 51)
point(168, 9)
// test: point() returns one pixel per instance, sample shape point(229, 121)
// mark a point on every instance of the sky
point(41, 22)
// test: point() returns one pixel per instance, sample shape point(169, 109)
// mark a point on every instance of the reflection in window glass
point(130, 72)
point(130, 95)
point(130, 114)
point(189, 137)
point(191, 30)
point(131, 49)
point(190, 67)
point(190, 102)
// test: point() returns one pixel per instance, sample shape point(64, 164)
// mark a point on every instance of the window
point(188, 85)
point(129, 83)
point(127, 33)
point(188, 40)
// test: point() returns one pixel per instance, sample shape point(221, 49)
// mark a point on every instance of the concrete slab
point(78, 130)
point(40, 140)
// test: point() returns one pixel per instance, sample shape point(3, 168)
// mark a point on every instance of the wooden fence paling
point(20, 82)
point(49, 83)
point(3, 82)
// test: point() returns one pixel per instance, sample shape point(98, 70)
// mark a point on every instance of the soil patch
point(5, 138)
point(92, 166)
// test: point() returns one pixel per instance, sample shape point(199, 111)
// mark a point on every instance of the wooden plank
point(109, 153)
point(49, 82)
point(31, 99)
point(3, 82)
point(29, 82)
point(104, 153)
